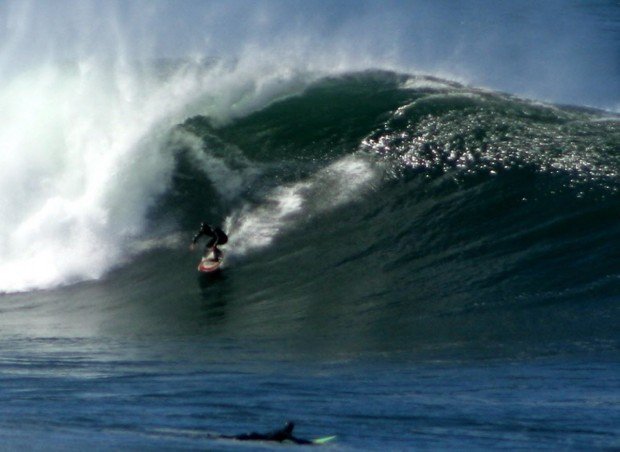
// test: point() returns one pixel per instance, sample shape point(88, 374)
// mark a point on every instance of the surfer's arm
point(192, 245)
point(204, 230)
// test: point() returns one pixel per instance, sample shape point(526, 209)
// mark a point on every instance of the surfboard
point(209, 264)
point(323, 440)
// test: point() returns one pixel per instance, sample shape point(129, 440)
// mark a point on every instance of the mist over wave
point(558, 51)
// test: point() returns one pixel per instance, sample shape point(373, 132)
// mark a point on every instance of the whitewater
point(76, 190)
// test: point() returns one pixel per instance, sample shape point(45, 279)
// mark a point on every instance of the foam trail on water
point(343, 181)
point(228, 181)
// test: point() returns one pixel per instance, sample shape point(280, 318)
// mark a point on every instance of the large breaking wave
point(412, 204)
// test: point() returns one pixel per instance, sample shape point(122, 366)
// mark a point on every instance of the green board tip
point(324, 440)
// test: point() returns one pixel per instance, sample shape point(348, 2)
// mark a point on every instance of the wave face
point(414, 206)
point(371, 204)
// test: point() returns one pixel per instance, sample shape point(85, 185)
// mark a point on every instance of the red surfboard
point(209, 263)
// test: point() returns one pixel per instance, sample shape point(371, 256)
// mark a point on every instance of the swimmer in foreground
point(284, 434)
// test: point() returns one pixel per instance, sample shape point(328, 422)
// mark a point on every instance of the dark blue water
point(73, 393)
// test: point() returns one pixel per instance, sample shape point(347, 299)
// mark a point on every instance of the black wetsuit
point(218, 237)
point(285, 434)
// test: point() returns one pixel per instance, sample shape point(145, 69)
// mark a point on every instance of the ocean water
point(414, 262)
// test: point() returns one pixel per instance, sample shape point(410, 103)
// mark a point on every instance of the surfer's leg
point(208, 246)
point(250, 437)
point(216, 253)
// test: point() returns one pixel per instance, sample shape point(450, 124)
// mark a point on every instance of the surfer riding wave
point(218, 237)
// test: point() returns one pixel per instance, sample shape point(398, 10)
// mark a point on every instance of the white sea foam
point(347, 179)
point(228, 182)
point(83, 154)
point(81, 160)
point(425, 83)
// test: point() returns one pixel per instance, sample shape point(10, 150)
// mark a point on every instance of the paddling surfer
point(284, 434)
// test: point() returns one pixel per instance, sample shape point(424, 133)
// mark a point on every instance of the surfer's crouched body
point(284, 434)
point(218, 237)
